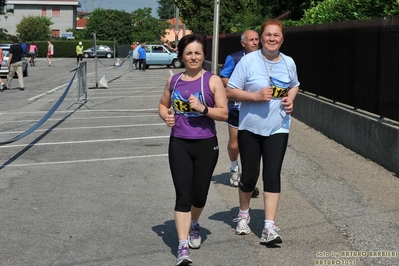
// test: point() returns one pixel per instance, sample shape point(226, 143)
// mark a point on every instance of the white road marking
point(85, 161)
point(81, 141)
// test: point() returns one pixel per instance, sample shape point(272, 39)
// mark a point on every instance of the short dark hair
point(14, 39)
point(186, 40)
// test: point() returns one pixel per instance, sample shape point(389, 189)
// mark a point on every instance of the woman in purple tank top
point(190, 104)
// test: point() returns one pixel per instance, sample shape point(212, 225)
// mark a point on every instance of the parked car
point(159, 54)
point(101, 50)
point(4, 69)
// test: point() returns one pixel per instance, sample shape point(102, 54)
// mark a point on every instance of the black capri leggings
point(192, 163)
point(272, 150)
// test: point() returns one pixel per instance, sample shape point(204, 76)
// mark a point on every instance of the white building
point(61, 12)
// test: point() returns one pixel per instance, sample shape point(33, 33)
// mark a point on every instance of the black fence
point(355, 63)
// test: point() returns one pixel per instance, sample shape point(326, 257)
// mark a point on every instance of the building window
point(55, 33)
point(44, 11)
point(56, 12)
point(8, 9)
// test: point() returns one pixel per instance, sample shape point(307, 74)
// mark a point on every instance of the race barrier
point(44, 119)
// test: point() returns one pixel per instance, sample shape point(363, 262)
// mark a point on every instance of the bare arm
point(164, 107)
point(225, 81)
point(265, 94)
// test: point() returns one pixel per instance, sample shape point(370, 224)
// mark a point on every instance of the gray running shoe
point(194, 239)
point(183, 256)
point(242, 227)
point(270, 236)
point(234, 178)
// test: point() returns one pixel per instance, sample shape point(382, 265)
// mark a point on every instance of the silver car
point(101, 51)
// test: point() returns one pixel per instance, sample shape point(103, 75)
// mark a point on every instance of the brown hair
point(272, 22)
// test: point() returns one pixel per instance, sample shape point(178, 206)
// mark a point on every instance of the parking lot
point(92, 185)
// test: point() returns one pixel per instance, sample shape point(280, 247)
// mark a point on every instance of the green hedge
point(65, 48)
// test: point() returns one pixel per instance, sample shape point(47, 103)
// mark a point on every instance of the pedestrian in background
point(250, 42)
point(15, 64)
point(33, 50)
point(266, 84)
point(24, 47)
point(197, 98)
point(141, 56)
point(50, 53)
point(79, 52)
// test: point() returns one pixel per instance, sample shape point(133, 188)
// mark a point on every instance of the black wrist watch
point(205, 110)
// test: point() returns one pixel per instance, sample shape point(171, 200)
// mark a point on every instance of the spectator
point(15, 64)
point(141, 56)
point(79, 52)
point(24, 46)
point(50, 53)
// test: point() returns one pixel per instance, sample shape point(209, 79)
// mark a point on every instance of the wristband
point(205, 110)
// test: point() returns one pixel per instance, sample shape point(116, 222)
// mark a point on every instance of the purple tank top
point(188, 123)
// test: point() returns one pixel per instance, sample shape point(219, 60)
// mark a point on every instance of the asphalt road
point(92, 185)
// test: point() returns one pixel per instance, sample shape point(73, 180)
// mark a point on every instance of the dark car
point(4, 69)
point(101, 50)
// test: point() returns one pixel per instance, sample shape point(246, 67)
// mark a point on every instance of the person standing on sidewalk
point(142, 55)
point(266, 83)
point(15, 64)
point(50, 53)
point(250, 42)
point(79, 52)
point(197, 98)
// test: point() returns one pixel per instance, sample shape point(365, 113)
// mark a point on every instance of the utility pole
point(177, 26)
point(215, 39)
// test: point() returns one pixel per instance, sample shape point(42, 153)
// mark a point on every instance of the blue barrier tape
point(122, 61)
point(44, 119)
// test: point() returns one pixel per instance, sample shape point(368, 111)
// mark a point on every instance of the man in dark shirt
point(15, 64)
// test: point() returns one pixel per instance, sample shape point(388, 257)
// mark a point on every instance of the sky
point(127, 5)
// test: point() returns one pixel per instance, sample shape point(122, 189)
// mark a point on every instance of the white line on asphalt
point(48, 92)
point(108, 97)
point(82, 141)
point(83, 118)
point(86, 161)
point(84, 111)
point(78, 128)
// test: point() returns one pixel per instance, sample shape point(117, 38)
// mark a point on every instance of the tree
point(345, 10)
point(4, 35)
point(2, 4)
point(124, 27)
point(34, 28)
point(146, 28)
point(166, 9)
point(107, 24)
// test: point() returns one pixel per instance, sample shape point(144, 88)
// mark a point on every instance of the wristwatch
point(205, 110)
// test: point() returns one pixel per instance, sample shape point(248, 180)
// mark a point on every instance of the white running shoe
point(270, 236)
point(194, 239)
point(242, 227)
point(183, 256)
point(234, 178)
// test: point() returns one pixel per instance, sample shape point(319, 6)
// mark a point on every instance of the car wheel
point(109, 55)
point(177, 63)
point(86, 55)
